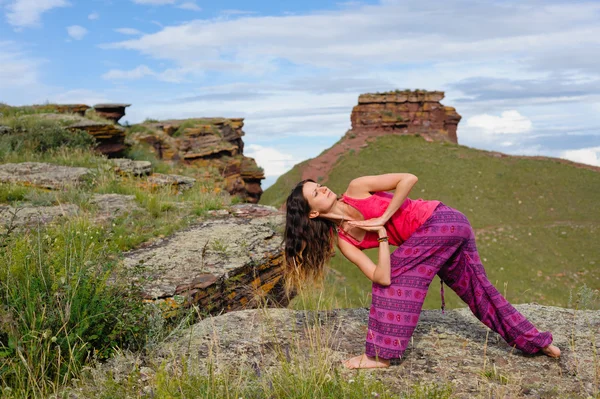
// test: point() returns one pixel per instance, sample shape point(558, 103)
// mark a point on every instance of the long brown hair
point(308, 242)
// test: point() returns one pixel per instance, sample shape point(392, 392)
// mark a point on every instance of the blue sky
point(525, 76)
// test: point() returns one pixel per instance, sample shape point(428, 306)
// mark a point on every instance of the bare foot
point(551, 351)
point(366, 362)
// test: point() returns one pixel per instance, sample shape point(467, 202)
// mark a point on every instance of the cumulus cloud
point(590, 156)
point(27, 13)
point(273, 161)
point(509, 122)
point(77, 32)
point(93, 16)
point(189, 6)
point(128, 31)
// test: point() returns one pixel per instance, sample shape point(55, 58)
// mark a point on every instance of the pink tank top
point(408, 218)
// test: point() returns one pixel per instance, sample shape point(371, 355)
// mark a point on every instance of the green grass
point(506, 200)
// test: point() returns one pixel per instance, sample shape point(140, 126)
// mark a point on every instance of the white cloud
point(93, 16)
point(590, 156)
point(17, 70)
point(27, 13)
point(510, 122)
point(136, 73)
point(154, 2)
point(189, 6)
point(78, 96)
point(172, 75)
point(128, 31)
point(273, 161)
point(77, 32)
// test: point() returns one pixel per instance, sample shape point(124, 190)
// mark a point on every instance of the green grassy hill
point(537, 221)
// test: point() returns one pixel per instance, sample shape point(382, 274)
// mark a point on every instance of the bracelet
point(382, 239)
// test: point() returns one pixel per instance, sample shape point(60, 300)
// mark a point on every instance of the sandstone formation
point(228, 263)
point(128, 166)
point(112, 112)
point(110, 138)
point(454, 348)
point(63, 108)
point(43, 175)
point(398, 112)
point(406, 112)
point(207, 142)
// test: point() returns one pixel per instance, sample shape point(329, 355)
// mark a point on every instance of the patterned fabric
point(443, 245)
point(405, 221)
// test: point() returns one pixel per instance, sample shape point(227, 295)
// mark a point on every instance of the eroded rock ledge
point(227, 263)
point(454, 348)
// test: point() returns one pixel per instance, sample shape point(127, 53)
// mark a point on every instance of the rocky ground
point(454, 348)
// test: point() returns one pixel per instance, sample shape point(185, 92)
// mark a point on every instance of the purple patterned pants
point(443, 245)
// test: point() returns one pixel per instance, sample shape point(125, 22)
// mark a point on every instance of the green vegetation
point(536, 220)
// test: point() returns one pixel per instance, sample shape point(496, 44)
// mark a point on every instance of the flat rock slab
point(179, 182)
point(453, 348)
point(228, 263)
point(129, 166)
point(44, 175)
point(27, 215)
point(111, 206)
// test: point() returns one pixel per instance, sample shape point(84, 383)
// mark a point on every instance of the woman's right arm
point(379, 273)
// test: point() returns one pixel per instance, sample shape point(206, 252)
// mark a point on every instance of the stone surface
point(207, 142)
point(228, 263)
point(178, 182)
point(403, 112)
point(64, 108)
point(453, 348)
point(112, 112)
point(44, 175)
point(111, 206)
point(27, 215)
point(128, 166)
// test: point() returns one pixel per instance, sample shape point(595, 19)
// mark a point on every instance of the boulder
point(228, 263)
point(112, 112)
point(44, 175)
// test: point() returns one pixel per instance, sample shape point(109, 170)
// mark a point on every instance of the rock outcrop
point(177, 182)
point(112, 112)
point(128, 166)
point(43, 175)
point(454, 348)
point(227, 263)
point(398, 112)
point(406, 112)
point(79, 109)
point(206, 142)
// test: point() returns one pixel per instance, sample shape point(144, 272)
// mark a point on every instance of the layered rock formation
point(398, 112)
point(207, 142)
point(229, 263)
point(43, 175)
point(406, 112)
point(79, 109)
point(112, 112)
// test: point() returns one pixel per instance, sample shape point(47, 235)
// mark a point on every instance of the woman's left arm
point(363, 186)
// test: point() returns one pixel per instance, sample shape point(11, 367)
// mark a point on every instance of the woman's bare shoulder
point(357, 190)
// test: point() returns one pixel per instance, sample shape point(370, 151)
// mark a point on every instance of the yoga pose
point(432, 238)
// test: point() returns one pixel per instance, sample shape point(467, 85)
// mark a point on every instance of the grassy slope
point(538, 220)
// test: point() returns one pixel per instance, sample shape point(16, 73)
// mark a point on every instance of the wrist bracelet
point(382, 239)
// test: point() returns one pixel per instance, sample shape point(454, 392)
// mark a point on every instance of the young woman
point(432, 238)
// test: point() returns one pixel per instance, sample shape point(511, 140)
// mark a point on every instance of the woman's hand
point(369, 224)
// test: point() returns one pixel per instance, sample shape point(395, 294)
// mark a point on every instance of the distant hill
point(537, 220)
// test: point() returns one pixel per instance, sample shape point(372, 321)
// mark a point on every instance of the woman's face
point(320, 198)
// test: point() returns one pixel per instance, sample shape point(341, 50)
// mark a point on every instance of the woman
point(432, 238)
